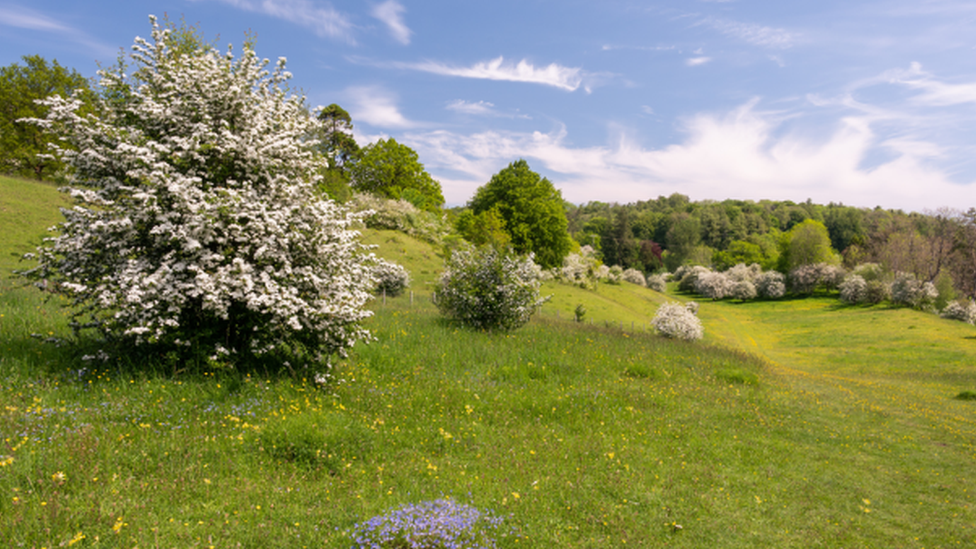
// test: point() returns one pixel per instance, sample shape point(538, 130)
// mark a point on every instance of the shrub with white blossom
point(657, 282)
point(713, 285)
point(688, 277)
point(907, 290)
point(877, 291)
point(196, 224)
point(674, 320)
point(743, 290)
point(579, 269)
point(488, 289)
point(807, 278)
point(399, 215)
point(771, 285)
point(854, 289)
point(615, 275)
point(391, 279)
point(635, 277)
point(956, 310)
point(744, 273)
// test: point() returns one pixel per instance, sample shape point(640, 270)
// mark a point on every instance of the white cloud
point(324, 21)
point(757, 35)
point(695, 61)
point(933, 92)
point(480, 108)
point(376, 107)
point(647, 110)
point(23, 18)
point(567, 78)
point(390, 13)
point(741, 154)
point(26, 19)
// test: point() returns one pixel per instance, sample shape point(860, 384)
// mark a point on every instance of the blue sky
point(868, 103)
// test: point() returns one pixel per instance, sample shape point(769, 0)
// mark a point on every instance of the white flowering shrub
point(743, 290)
point(907, 290)
point(744, 273)
point(713, 285)
point(807, 278)
point(196, 224)
point(688, 277)
point(771, 285)
point(869, 271)
point(615, 275)
point(854, 289)
point(692, 307)
point(399, 215)
point(635, 277)
point(391, 279)
point(674, 320)
point(955, 310)
point(487, 289)
point(657, 282)
point(579, 269)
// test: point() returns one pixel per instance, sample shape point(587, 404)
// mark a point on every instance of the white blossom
point(196, 220)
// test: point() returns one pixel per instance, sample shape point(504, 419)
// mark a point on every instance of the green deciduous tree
point(532, 209)
point(393, 170)
point(806, 243)
point(24, 147)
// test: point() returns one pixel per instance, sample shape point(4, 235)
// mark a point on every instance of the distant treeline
point(667, 232)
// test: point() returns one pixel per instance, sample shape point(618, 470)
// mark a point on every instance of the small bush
point(674, 320)
point(869, 271)
point(391, 279)
point(658, 282)
point(579, 269)
point(957, 311)
point(743, 290)
point(615, 275)
point(402, 216)
point(487, 289)
point(771, 285)
point(688, 277)
point(807, 278)
point(635, 277)
point(907, 290)
point(877, 291)
point(745, 273)
point(435, 524)
point(854, 289)
point(713, 285)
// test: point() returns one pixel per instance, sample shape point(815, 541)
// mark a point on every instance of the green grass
point(802, 424)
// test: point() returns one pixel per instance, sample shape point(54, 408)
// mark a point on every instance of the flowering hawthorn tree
point(196, 224)
point(677, 321)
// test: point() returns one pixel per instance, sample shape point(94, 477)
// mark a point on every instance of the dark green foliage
point(20, 86)
point(532, 209)
point(966, 395)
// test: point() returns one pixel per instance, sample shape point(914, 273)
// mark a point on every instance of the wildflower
point(117, 528)
point(440, 523)
point(59, 477)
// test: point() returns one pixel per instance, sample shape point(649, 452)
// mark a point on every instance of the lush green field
point(838, 429)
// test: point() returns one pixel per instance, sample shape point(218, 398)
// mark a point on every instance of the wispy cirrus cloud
point(754, 34)
point(324, 21)
point(391, 14)
point(933, 91)
point(481, 108)
point(558, 76)
point(24, 18)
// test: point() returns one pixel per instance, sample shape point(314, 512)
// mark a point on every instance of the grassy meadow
point(796, 423)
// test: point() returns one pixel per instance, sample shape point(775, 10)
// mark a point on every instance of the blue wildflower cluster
point(439, 524)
